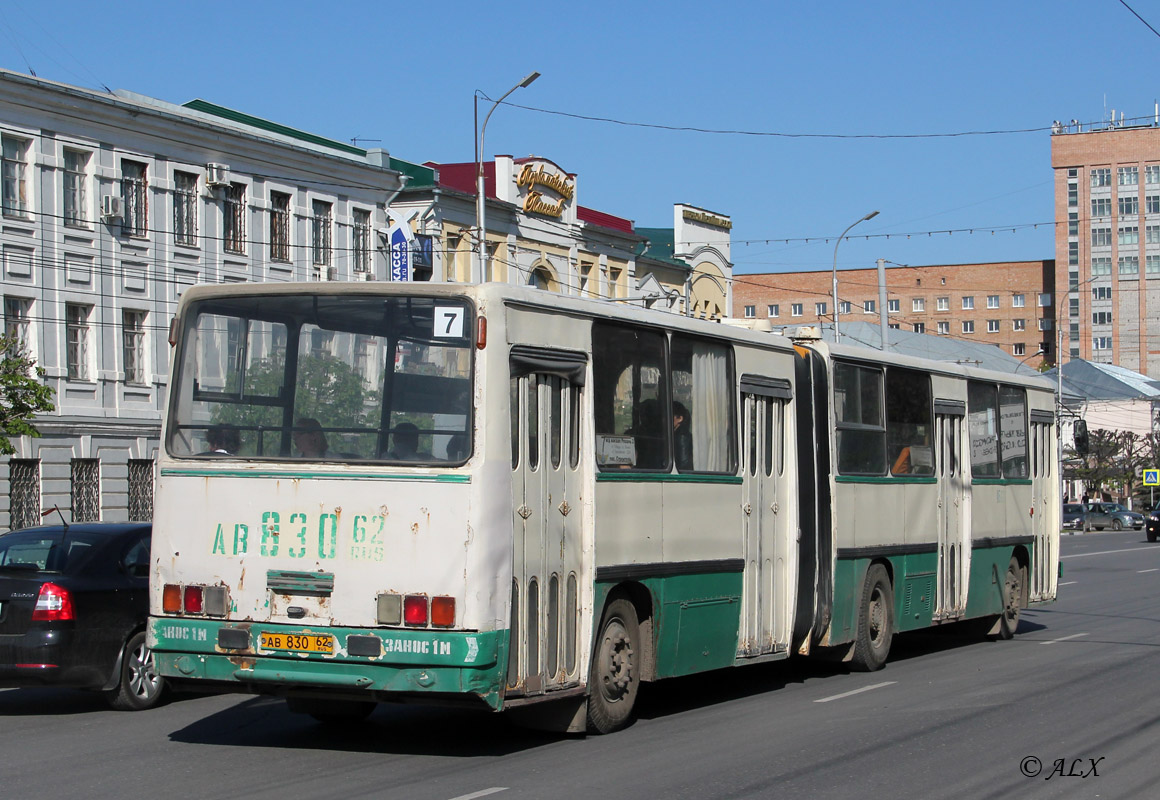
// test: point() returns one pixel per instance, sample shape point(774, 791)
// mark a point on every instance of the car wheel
point(1151, 534)
point(1117, 525)
point(141, 687)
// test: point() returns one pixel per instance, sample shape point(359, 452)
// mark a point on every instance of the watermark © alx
point(1032, 767)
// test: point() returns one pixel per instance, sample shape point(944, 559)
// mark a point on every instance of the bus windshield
point(333, 378)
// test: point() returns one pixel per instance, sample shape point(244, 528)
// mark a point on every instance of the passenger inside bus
point(221, 440)
point(405, 444)
point(309, 440)
point(682, 436)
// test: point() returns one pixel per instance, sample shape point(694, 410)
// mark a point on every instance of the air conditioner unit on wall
point(217, 174)
point(111, 207)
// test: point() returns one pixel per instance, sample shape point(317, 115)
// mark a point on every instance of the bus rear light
point(390, 609)
point(192, 597)
point(443, 612)
point(415, 610)
point(216, 601)
point(53, 604)
point(481, 334)
point(171, 599)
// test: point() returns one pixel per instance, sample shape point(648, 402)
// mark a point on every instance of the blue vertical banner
point(400, 243)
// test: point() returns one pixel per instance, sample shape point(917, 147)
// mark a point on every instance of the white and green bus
point(497, 497)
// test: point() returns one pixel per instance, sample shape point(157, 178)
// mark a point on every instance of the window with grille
point(135, 195)
point(86, 489)
point(320, 229)
point(133, 332)
point(15, 176)
point(23, 492)
point(76, 184)
point(140, 489)
point(234, 218)
point(279, 226)
point(185, 208)
point(77, 341)
point(362, 240)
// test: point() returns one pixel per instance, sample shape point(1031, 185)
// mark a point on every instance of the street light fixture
point(480, 212)
point(871, 215)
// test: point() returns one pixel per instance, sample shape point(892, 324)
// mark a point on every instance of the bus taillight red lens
point(443, 612)
point(415, 609)
point(53, 604)
point(193, 599)
point(171, 599)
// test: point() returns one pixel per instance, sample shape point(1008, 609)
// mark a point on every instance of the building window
point(76, 188)
point(613, 282)
point(1152, 234)
point(1152, 173)
point(320, 234)
point(1101, 343)
point(773, 310)
point(1152, 204)
point(820, 309)
point(185, 208)
point(1101, 266)
point(920, 327)
point(1128, 176)
point(15, 176)
point(968, 303)
point(1129, 265)
point(1018, 324)
point(944, 328)
point(279, 226)
point(135, 195)
point(1073, 223)
point(1101, 206)
point(16, 314)
point(1102, 237)
point(1044, 299)
point(992, 326)
point(133, 332)
point(86, 489)
point(1017, 301)
point(750, 312)
point(795, 310)
point(77, 341)
point(1129, 205)
point(362, 240)
point(918, 304)
point(1045, 324)
point(1073, 280)
point(968, 326)
point(1102, 293)
point(1073, 307)
point(140, 489)
point(943, 304)
point(1129, 234)
point(893, 306)
point(23, 493)
point(1101, 177)
point(992, 301)
point(1152, 265)
point(234, 219)
point(870, 307)
point(1019, 349)
point(1102, 318)
point(844, 306)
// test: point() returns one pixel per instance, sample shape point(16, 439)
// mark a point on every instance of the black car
point(1073, 516)
point(1152, 523)
point(73, 605)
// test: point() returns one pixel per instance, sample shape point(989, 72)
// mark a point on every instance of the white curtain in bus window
point(1013, 430)
point(861, 435)
point(983, 419)
point(702, 409)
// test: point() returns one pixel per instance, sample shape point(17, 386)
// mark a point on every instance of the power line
point(1137, 16)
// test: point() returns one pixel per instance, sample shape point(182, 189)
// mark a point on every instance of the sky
point(839, 100)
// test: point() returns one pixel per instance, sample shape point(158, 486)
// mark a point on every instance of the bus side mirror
point(1080, 435)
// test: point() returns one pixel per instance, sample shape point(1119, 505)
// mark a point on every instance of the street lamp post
point(871, 215)
point(480, 211)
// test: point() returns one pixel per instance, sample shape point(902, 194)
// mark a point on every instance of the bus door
point(954, 547)
point(546, 514)
point(764, 626)
point(1043, 483)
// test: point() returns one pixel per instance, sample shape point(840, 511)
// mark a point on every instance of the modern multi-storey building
point(1107, 241)
point(1009, 304)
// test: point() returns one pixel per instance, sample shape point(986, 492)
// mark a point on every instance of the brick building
point(1107, 241)
point(1009, 304)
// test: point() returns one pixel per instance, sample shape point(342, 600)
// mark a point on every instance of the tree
point(1114, 459)
point(21, 393)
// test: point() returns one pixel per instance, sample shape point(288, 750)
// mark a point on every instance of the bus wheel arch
point(875, 629)
point(1014, 593)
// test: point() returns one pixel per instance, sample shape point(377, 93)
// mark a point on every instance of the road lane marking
point(481, 793)
point(1106, 552)
point(1065, 638)
point(1068, 583)
point(856, 691)
point(1142, 571)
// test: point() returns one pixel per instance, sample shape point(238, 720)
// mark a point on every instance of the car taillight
point(54, 603)
point(443, 612)
point(415, 609)
point(193, 597)
point(171, 599)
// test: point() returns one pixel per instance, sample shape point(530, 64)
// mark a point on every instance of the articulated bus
point(493, 496)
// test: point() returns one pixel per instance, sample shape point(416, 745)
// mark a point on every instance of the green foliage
point(1114, 460)
point(21, 393)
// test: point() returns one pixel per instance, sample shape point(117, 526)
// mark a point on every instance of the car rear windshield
point(45, 551)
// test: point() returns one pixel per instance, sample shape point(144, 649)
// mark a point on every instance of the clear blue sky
point(405, 73)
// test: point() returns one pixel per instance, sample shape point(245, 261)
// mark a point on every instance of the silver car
point(1112, 515)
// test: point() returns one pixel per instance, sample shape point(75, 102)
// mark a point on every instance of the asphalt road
point(1072, 699)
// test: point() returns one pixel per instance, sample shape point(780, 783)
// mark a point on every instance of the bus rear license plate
point(297, 642)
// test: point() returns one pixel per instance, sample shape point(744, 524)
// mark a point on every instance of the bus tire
point(875, 621)
point(1013, 584)
point(615, 675)
point(332, 712)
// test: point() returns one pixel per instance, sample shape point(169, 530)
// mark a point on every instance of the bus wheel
point(1012, 599)
point(875, 621)
point(331, 712)
point(615, 675)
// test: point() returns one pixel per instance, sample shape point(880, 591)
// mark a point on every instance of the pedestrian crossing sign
point(1152, 477)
